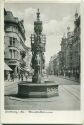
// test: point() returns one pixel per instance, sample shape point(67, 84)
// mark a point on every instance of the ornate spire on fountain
point(38, 15)
point(38, 41)
point(38, 87)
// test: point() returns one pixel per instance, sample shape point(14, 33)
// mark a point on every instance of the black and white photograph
point(42, 124)
point(42, 56)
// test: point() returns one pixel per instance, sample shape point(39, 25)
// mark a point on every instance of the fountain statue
point(38, 87)
point(38, 47)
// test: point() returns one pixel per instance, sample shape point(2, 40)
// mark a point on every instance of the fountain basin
point(35, 90)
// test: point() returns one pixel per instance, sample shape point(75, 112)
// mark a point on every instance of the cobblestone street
point(68, 99)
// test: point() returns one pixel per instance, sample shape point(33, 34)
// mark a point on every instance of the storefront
point(7, 71)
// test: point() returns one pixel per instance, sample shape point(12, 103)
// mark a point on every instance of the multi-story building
point(68, 58)
point(14, 42)
point(70, 47)
point(50, 68)
point(76, 47)
point(63, 53)
point(67, 61)
point(55, 64)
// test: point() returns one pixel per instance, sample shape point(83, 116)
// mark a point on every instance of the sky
point(56, 17)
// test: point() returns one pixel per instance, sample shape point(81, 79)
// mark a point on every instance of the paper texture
point(58, 21)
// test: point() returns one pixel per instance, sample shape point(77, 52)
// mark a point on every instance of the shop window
point(14, 54)
point(12, 41)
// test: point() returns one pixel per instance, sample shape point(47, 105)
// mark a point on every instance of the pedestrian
point(13, 76)
point(8, 76)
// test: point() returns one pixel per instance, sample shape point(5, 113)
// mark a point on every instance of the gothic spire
point(76, 14)
point(38, 15)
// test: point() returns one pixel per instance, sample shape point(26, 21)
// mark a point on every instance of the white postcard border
point(26, 117)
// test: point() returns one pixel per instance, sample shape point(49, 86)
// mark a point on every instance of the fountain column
point(38, 41)
point(38, 88)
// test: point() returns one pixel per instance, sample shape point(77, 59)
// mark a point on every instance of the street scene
point(68, 99)
point(42, 124)
point(42, 56)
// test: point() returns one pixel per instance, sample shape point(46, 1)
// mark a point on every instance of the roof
point(9, 18)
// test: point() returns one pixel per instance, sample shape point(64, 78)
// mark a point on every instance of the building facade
point(76, 47)
point(67, 61)
point(55, 64)
point(14, 42)
point(50, 68)
point(68, 53)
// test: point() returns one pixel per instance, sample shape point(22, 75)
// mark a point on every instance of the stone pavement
point(71, 78)
point(51, 77)
point(10, 82)
point(68, 99)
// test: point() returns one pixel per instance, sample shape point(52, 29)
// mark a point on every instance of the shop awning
point(6, 67)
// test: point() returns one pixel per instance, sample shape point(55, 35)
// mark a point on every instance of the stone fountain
point(38, 87)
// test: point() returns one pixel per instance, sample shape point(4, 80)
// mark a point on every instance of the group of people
point(23, 76)
point(10, 76)
point(75, 74)
point(20, 76)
